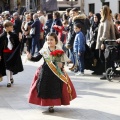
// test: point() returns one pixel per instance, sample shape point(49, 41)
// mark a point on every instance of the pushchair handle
point(110, 40)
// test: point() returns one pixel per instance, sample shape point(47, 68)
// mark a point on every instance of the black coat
point(17, 26)
point(56, 22)
point(14, 62)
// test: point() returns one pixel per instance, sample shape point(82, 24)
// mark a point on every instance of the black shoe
point(51, 109)
point(9, 85)
point(12, 81)
point(103, 78)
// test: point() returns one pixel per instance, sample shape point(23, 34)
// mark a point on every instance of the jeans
point(81, 62)
point(72, 57)
point(35, 42)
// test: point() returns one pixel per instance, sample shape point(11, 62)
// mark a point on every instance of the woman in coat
point(106, 31)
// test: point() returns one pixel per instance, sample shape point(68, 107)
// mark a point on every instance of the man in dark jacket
point(17, 24)
point(36, 35)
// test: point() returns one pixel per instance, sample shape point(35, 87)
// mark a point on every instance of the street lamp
point(71, 2)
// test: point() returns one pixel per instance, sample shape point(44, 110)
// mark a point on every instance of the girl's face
point(51, 41)
point(95, 19)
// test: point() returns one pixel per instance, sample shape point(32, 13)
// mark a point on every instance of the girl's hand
point(60, 64)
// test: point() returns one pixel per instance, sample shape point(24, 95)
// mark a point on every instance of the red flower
point(57, 53)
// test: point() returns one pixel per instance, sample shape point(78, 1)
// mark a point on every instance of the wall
point(113, 5)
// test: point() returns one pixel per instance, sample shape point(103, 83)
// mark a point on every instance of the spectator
point(17, 24)
point(56, 21)
point(79, 48)
point(36, 35)
point(49, 21)
point(106, 31)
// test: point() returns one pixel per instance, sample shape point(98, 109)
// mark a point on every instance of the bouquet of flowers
point(56, 55)
point(56, 58)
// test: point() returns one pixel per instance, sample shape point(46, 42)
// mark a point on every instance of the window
point(91, 8)
point(106, 3)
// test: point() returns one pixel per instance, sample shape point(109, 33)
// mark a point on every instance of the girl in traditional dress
point(49, 88)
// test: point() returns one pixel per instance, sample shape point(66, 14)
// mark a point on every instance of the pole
point(71, 3)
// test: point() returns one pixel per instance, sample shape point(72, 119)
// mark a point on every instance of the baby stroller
point(112, 56)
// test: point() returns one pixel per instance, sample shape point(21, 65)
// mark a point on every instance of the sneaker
point(118, 68)
point(79, 74)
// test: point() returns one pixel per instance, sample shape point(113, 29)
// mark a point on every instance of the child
point(79, 48)
point(9, 53)
point(48, 88)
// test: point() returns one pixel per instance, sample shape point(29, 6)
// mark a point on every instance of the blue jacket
point(79, 43)
point(48, 24)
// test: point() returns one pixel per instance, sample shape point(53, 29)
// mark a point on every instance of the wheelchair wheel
point(109, 74)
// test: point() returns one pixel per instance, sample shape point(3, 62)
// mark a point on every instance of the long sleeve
point(37, 58)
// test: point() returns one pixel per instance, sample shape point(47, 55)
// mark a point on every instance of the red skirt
point(65, 100)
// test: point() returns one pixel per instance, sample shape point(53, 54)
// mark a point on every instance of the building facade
point(63, 4)
point(95, 5)
point(33, 5)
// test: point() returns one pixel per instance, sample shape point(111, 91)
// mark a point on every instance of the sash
point(64, 77)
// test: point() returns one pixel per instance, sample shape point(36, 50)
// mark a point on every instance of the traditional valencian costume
point(49, 88)
point(10, 54)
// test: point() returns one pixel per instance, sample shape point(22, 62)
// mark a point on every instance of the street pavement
point(96, 99)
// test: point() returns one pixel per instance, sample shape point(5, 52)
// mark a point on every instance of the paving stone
point(96, 99)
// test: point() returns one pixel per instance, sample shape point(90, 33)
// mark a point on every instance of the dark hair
point(54, 35)
point(75, 9)
point(7, 24)
point(68, 10)
point(49, 16)
point(117, 22)
point(116, 15)
point(78, 25)
point(57, 14)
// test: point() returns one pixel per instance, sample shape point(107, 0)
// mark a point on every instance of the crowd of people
point(81, 37)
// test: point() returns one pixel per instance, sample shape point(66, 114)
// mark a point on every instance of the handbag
point(32, 31)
